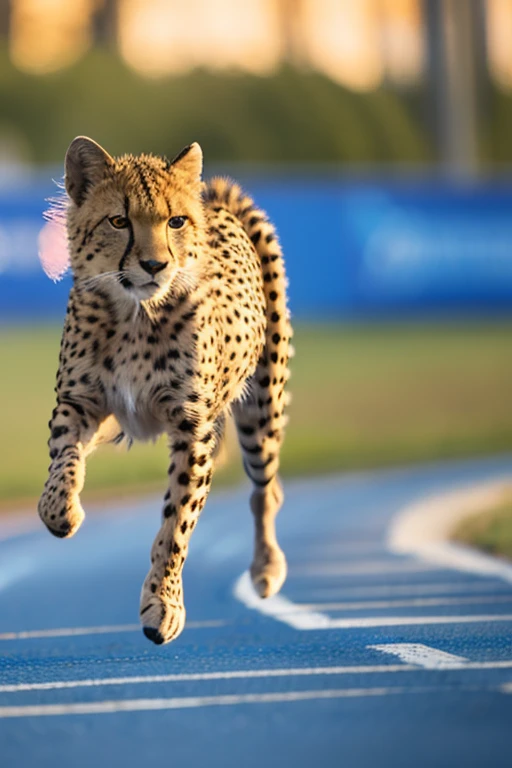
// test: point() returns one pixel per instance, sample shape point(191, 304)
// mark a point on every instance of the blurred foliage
point(363, 396)
point(291, 117)
point(490, 529)
point(497, 128)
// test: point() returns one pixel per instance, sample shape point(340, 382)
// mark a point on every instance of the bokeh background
point(378, 136)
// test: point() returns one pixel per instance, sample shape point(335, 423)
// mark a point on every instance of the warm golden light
point(158, 37)
point(499, 37)
point(47, 35)
point(402, 41)
point(343, 41)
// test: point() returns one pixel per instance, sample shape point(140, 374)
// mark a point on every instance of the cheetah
point(177, 317)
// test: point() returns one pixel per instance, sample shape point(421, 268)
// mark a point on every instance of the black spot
point(273, 295)
point(183, 478)
point(59, 431)
point(186, 426)
point(276, 338)
point(160, 363)
point(264, 382)
point(169, 510)
point(108, 363)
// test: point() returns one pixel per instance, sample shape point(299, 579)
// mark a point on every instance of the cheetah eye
point(177, 222)
point(119, 222)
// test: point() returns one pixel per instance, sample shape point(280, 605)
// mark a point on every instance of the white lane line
point(278, 607)
point(431, 588)
point(140, 705)
point(200, 677)
point(365, 568)
point(423, 529)
point(105, 630)
point(282, 609)
point(421, 655)
point(405, 621)
point(412, 603)
point(243, 675)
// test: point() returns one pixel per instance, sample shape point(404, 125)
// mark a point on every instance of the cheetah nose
point(152, 266)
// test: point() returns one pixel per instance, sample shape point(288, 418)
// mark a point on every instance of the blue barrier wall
point(353, 247)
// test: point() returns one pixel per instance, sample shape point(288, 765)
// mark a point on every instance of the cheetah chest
point(131, 406)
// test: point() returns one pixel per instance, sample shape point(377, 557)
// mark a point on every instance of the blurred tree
point(104, 23)
point(291, 117)
point(291, 23)
point(5, 18)
point(452, 48)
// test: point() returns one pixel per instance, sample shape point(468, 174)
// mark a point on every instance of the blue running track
point(81, 686)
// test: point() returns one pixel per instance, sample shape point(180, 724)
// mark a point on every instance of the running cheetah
point(177, 316)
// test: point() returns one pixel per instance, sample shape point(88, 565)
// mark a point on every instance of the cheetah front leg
point(162, 610)
point(73, 434)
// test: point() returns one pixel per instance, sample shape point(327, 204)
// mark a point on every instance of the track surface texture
point(366, 658)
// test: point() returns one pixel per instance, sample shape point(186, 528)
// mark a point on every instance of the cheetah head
point(135, 223)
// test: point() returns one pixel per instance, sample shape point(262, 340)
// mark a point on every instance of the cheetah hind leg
point(260, 454)
point(268, 569)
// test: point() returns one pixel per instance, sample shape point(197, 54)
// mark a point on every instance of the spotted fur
point(177, 315)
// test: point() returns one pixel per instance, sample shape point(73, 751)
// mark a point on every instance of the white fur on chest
point(131, 408)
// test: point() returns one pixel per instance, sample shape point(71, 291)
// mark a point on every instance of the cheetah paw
point(268, 571)
point(161, 621)
point(62, 518)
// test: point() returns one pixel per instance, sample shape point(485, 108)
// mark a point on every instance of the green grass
point(362, 396)
point(491, 530)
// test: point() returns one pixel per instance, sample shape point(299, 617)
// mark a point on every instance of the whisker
point(88, 282)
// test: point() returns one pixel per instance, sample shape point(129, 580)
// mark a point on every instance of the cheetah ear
point(86, 164)
point(190, 161)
